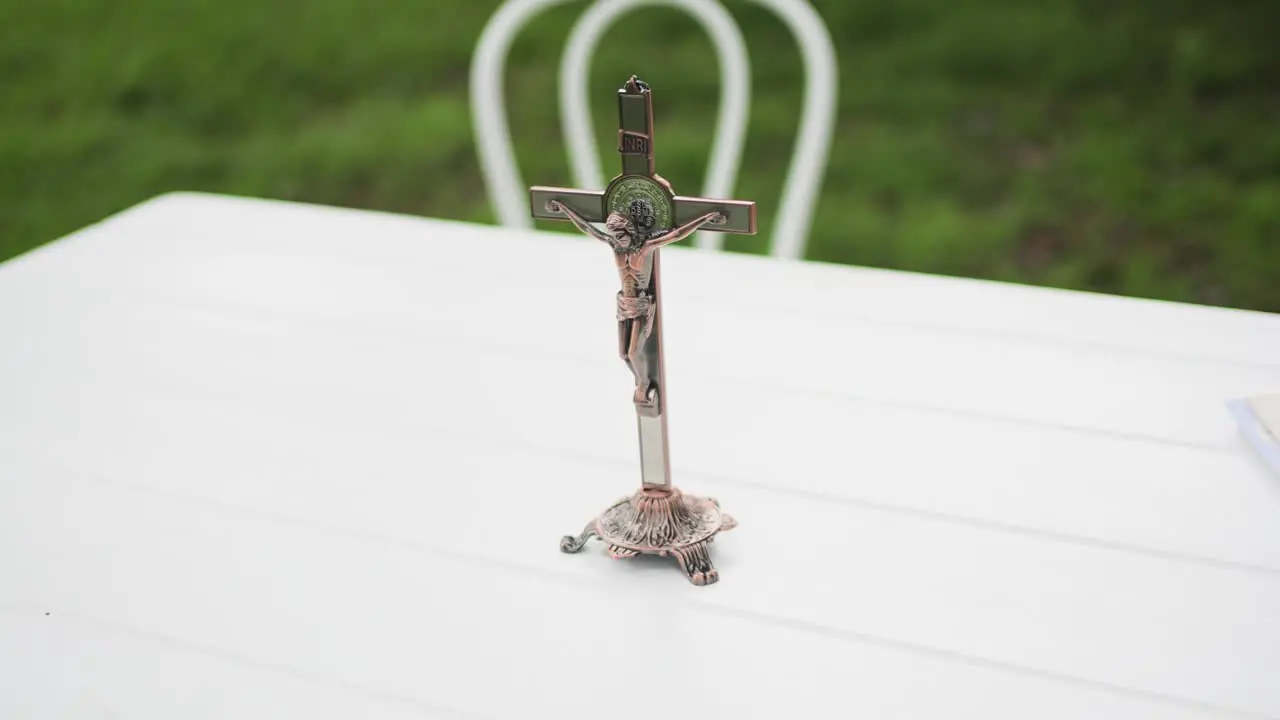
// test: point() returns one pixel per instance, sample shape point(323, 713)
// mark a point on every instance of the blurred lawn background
point(1125, 147)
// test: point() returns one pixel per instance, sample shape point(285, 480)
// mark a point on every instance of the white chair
point(507, 190)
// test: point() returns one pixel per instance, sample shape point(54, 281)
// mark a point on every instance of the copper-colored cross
point(642, 214)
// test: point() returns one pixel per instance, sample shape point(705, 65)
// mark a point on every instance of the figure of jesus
point(633, 247)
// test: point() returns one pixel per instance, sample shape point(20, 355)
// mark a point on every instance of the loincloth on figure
point(631, 308)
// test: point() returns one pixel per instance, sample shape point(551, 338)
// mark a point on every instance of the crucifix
point(641, 214)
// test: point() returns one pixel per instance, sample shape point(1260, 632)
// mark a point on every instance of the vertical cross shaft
point(635, 128)
point(635, 145)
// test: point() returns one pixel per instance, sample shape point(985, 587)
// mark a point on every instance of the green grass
point(1119, 147)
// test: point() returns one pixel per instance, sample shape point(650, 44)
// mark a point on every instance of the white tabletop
point(267, 460)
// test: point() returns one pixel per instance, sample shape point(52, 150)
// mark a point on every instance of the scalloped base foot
point(660, 522)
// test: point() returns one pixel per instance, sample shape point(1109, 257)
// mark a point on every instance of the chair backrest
point(799, 193)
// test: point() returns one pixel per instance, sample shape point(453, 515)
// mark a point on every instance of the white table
point(267, 460)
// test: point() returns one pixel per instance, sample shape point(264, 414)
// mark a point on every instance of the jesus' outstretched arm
point(578, 221)
point(684, 231)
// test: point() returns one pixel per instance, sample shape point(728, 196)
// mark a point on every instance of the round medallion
point(643, 200)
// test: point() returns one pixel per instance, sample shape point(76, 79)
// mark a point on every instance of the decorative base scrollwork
point(572, 544)
point(660, 522)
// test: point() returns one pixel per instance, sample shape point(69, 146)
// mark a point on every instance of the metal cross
point(646, 199)
point(641, 214)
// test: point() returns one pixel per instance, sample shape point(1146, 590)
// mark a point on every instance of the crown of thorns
point(617, 222)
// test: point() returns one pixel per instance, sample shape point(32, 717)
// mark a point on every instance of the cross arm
point(681, 232)
point(588, 204)
point(739, 215)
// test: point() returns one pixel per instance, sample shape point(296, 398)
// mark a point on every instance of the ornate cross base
point(660, 522)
